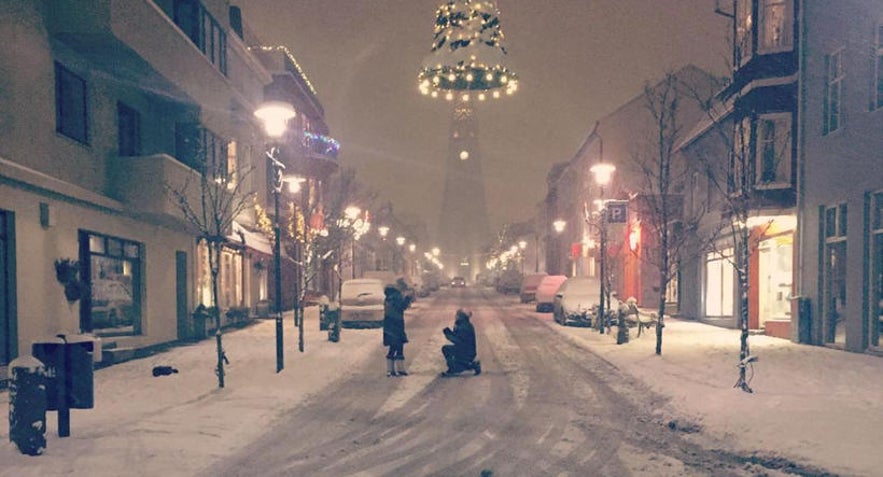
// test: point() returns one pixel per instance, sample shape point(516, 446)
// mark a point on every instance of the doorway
point(8, 330)
point(774, 278)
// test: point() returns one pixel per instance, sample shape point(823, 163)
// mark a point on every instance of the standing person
point(460, 355)
point(394, 336)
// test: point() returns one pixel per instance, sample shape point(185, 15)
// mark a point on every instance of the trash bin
point(804, 320)
point(200, 315)
point(69, 370)
point(27, 405)
point(332, 314)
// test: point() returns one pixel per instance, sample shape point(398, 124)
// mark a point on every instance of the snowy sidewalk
point(178, 424)
point(811, 404)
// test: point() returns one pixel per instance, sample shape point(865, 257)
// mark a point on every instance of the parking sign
point(617, 211)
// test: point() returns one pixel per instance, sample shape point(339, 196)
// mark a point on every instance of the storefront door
point(774, 278)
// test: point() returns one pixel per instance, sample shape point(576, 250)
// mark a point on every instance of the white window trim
point(758, 152)
point(826, 127)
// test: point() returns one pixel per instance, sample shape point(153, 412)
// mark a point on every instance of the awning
point(253, 240)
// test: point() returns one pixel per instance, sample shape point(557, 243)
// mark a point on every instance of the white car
point(576, 302)
point(361, 302)
point(545, 295)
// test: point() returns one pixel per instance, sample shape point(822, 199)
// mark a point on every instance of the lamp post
point(275, 116)
point(603, 174)
point(559, 226)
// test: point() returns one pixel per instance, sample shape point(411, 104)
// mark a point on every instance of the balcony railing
point(318, 144)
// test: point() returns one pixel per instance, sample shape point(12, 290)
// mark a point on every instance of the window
point(201, 149)
point(835, 222)
point(71, 107)
point(128, 130)
point(834, 268)
point(203, 30)
point(719, 283)
point(876, 269)
point(743, 42)
point(877, 101)
point(740, 156)
point(114, 271)
point(775, 26)
point(833, 89)
point(773, 151)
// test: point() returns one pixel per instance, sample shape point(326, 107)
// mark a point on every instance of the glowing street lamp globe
point(275, 116)
point(559, 225)
point(603, 173)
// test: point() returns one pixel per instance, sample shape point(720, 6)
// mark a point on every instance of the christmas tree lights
point(466, 60)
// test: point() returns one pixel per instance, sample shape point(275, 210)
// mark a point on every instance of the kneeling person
point(460, 355)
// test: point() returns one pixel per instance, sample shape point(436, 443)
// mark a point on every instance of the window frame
point(68, 107)
point(128, 130)
point(833, 94)
point(785, 167)
point(743, 41)
point(787, 34)
point(203, 30)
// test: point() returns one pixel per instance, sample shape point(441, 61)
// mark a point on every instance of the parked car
point(576, 302)
point(361, 302)
point(529, 283)
point(545, 294)
point(508, 282)
point(458, 282)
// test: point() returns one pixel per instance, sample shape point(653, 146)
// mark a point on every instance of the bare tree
point(728, 170)
point(210, 200)
point(662, 178)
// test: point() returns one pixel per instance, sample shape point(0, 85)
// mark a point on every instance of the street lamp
point(603, 174)
point(275, 116)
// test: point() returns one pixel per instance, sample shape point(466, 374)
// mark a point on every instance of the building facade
point(106, 108)
point(802, 147)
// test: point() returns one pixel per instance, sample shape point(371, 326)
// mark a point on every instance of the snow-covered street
point(182, 424)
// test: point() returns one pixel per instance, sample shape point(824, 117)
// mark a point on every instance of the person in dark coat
point(460, 354)
point(394, 336)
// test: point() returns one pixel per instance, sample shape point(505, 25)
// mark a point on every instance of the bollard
point(27, 405)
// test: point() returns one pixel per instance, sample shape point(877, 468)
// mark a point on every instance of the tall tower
point(465, 65)
point(463, 223)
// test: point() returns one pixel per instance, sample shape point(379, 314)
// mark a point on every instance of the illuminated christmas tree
point(467, 56)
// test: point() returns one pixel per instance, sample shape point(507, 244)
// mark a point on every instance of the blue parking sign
point(617, 212)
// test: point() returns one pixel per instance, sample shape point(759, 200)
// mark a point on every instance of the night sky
point(577, 60)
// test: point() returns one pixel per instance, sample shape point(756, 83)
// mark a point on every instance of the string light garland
point(323, 144)
point(293, 61)
point(466, 59)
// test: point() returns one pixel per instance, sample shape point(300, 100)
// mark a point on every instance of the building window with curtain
point(773, 168)
point(743, 41)
point(833, 88)
point(775, 32)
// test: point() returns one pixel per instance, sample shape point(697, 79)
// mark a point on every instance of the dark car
point(458, 282)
